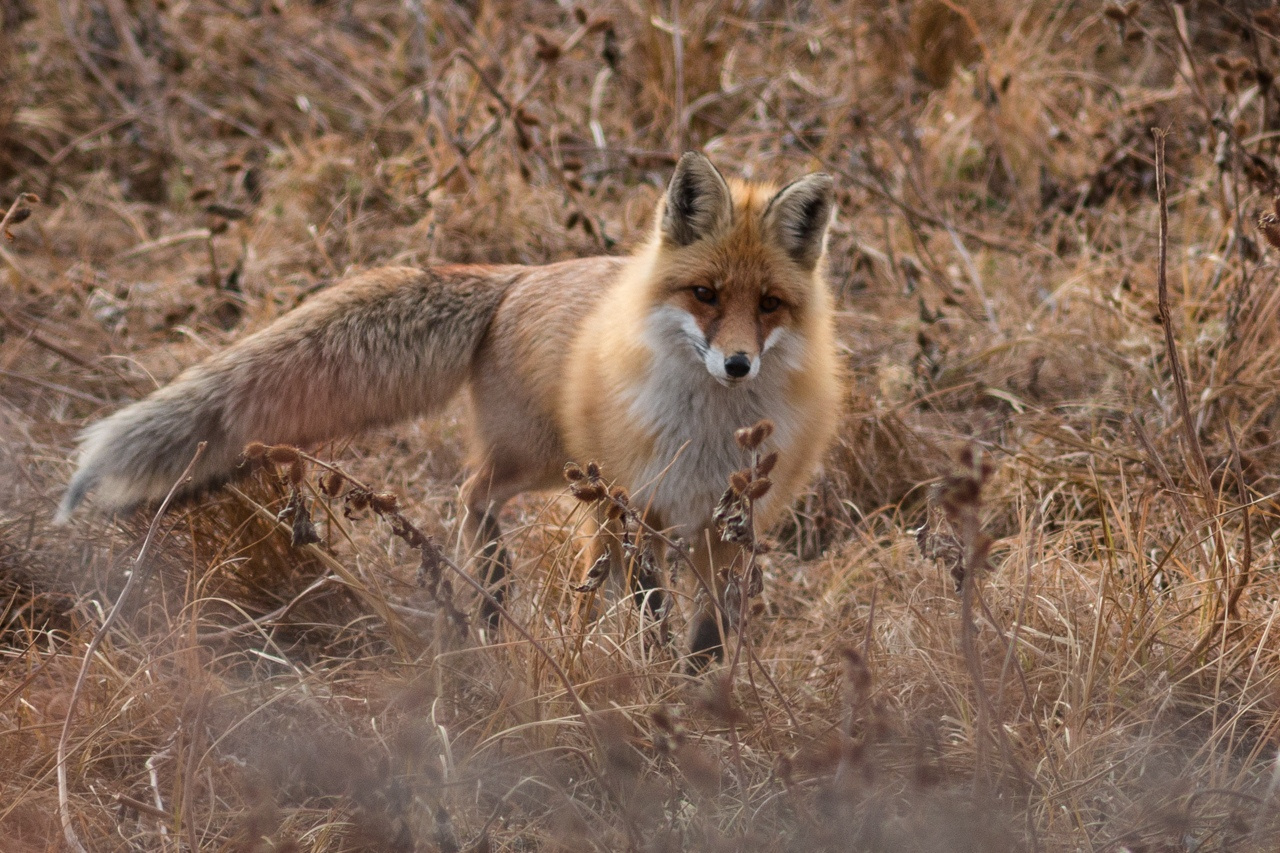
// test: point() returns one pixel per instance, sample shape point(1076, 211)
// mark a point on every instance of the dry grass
point(1105, 682)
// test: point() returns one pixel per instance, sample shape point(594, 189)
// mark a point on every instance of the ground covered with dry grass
point(1096, 459)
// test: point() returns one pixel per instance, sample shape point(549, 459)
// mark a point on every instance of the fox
point(644, 364)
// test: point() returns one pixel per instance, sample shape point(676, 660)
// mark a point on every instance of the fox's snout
point(737, 365)
point(730, 368)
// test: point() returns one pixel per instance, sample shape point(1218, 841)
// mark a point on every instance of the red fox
point(645, 364)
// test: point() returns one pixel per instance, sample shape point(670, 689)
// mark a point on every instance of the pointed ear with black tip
point(698, 204)
point(798, 217)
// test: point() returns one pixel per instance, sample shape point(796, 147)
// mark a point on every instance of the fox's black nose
point(737, 365)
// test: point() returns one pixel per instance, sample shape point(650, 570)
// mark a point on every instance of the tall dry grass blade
point(139, 571)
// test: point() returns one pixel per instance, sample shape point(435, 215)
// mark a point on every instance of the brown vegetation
point(1057, 404)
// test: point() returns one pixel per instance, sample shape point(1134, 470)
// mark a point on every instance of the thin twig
point(40, 340)
point(1194, 451)
point(1246, 557)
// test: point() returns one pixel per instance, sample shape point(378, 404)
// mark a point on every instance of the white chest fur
point(692, 417)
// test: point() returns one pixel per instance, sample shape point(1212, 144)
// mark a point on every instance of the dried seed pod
point(331, 483)
point(667, 723)
point(739, 480)
point(572, 472)
point(765, 466)
point(588, 491)
point(856, 672)
point(959, 491)
point(757, 489)
point(357, 499)
point(617, 508)
point(226, 211)
point(384, 502)
point(296, 472)
point(255, 451)
point(1115, 12)
point(546, 51)
point(1269, 225)
point(749, 438)
point(282, 454)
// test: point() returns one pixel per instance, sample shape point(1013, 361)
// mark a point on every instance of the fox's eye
point(769, 304)
point(705, 294)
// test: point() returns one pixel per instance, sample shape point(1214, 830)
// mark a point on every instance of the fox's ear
point(798, 217)
point(697, 203)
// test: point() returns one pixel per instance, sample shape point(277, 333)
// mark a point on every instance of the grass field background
point(1031, 403)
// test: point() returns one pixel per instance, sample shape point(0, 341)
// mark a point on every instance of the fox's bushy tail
point(380, 347)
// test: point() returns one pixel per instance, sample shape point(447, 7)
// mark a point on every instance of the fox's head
point(738, 267)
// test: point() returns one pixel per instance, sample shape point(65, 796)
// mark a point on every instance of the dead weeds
point(1105, 677)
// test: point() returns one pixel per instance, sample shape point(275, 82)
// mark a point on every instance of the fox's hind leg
point(483, 495)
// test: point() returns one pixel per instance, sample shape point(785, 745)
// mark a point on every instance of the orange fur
point(646, 365)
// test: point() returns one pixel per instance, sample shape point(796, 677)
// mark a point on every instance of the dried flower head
point(589, 491)
point(587, 486)
point(1269, 225)
point(384, 502)
point(757, 488)
point(331, 483)
point(668, 731)
point(282, 454)
point(750, 438)
point(357, 499)
point(618, 501)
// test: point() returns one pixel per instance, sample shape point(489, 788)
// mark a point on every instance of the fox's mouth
point(723, 369)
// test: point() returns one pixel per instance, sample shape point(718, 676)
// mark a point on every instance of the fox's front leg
point(603, 557)
point(712, 560)
point(625, 558)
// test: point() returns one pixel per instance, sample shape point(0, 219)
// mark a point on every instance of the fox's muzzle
point(737, 365)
